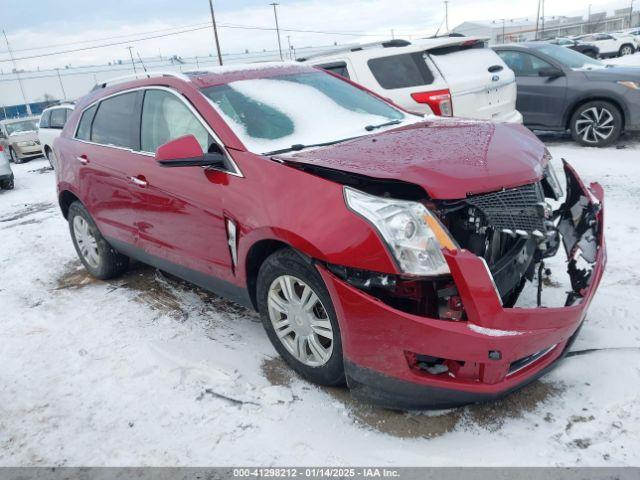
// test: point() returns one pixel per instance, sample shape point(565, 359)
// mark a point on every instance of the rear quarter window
point(401, 71)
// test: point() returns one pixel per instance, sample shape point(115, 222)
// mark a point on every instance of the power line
point(125, 35)
point(206, 26)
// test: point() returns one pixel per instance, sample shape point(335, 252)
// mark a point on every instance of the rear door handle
point(140, 181)
point(83, 159)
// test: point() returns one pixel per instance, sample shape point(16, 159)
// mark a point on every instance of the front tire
point(14, 156)
point(97, 256)
point(298, 316)
point(51, 158)
point(596, 124)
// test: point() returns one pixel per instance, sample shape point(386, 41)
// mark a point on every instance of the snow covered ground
point(146, 370)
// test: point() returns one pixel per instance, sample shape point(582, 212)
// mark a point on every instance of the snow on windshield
point(274, 114)
point(21, 127)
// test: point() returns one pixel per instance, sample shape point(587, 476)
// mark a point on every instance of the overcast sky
point(36, 23)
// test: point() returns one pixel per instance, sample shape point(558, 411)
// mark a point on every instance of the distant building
point(524, 29)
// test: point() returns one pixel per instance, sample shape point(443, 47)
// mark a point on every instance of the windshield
point(20, 127)
point(271, 114)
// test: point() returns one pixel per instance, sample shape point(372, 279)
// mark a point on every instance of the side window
point(58, 118)
point(401, 71)
point(523, 64)
point(44, 120)
point(164, 118)
point(84, 128)
point(339, 68)
point(115, 121)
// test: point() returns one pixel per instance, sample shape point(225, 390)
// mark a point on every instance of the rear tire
point(596, 124)
point(98, 257)
point(626, 49)
point(285, 294)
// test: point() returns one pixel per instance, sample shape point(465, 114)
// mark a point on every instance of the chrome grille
point(520, 208)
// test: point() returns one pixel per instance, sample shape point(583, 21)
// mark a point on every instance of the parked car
point(19, 137)
point(447, 76)
point(559, 89)
point(381, 249)
point(609, 44)
point(633, 32)
point(6, 175)
point(585, 48)
point(51, 123)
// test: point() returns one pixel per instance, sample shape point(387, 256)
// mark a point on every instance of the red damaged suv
point(382, 249)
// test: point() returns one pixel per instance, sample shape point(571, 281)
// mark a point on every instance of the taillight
point(439, 101)
point(1, 149)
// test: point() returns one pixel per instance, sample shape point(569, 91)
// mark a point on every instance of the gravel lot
point(147, 370)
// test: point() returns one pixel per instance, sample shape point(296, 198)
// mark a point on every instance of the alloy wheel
point(626, 51)
point(595, 125)
point(300, 320)
point(86, 241)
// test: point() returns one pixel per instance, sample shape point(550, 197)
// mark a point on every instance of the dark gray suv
point(560, 89)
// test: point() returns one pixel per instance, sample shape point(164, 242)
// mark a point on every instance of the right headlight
point(414, 236)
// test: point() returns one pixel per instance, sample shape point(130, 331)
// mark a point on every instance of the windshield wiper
point(369, 128)
point(299, 146)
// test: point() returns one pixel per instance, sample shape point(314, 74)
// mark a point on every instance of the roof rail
point(135, 76)
point(398, 42)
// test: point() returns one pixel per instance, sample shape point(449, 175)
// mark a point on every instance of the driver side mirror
point(186, 152)
point(550, 72)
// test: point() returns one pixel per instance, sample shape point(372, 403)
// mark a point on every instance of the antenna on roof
point(143, 65)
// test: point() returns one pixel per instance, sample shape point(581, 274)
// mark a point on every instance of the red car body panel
point(176, 216)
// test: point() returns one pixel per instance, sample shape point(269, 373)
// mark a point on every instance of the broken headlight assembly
point(413, 234)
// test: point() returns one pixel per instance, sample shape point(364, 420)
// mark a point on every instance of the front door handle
point(140, 181)
point(83, 159)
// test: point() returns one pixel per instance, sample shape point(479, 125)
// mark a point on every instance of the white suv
point(610, 44)
point(447, 76)
point(52, 122)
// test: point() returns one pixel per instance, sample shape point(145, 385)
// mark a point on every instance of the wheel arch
point(597, 98)
point(256, 255)
point(65, 199)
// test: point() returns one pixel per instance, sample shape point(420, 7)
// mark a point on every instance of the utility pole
point(589, 20)
point(538, 20)
point(15, 68)
point(542, 34)
point(631, 14)
point(64, 94)
point(215, 32)
point(446, 14)
point(275, 14)
point(289, 44)
point(132, 62)
point(503, 33)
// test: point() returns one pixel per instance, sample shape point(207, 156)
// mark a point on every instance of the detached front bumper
point(495, 351)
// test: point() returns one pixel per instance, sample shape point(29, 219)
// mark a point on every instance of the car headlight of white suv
point(414, 236)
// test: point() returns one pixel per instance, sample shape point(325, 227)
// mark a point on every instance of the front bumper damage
point(496, 350)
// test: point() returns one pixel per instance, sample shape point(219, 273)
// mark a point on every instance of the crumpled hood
point(449, 159)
